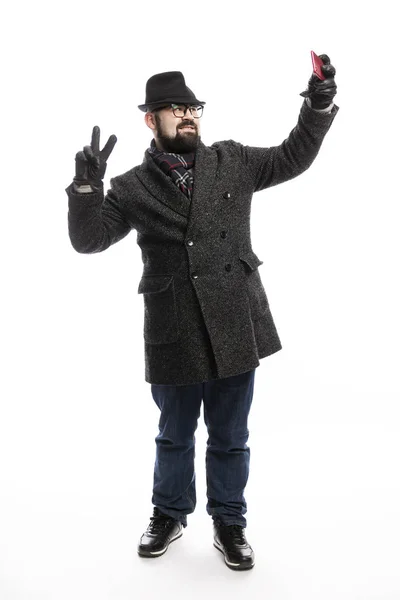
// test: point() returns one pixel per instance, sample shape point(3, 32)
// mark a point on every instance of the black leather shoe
point(162, 530)
point(231, 541)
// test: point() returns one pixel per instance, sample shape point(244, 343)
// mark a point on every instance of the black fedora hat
point(164, 88)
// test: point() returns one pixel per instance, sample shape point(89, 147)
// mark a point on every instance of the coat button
point(194, 275)
point(223, 234)
point(190, 243)
point(227, 195)
point(228, 267)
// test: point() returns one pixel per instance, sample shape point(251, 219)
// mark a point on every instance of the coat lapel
point(164, 189)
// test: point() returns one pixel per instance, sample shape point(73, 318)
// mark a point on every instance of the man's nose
point(188, 117)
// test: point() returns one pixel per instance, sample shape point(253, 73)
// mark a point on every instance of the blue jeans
point(227, 404)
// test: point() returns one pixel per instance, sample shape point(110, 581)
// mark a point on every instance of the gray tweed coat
point(206, 312)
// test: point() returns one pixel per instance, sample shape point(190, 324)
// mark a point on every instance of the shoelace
point(237, 533)
point(158, 523)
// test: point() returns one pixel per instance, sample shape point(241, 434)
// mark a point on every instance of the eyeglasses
point(179, 110)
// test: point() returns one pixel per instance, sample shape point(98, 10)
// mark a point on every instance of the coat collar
point(164, 189)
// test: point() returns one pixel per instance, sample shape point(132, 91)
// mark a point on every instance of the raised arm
point(94, 221)
point(270, 166)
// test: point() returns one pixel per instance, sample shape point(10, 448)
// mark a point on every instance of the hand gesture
point(322, 92)
point(91, 163)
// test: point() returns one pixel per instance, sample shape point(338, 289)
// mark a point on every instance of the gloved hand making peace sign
point(91, 163)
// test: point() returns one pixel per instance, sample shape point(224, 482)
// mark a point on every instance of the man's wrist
point(87, 188)
point(323, 110)
point(83, 189)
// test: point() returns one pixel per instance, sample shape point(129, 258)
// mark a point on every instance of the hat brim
point(145, 107)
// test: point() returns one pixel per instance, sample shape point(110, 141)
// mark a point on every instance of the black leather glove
point(91, 164)
point(321, 93)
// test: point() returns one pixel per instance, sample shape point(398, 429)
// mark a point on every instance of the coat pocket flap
point(150, 284)
point(251, 259)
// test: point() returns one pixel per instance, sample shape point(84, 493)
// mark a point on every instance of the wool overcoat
point(206, 312)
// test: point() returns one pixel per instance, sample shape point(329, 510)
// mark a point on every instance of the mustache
point(187, 125)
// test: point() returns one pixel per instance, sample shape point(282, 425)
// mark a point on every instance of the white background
point(78, 421)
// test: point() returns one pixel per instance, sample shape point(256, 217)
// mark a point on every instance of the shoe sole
point(156, 554)
point(234, 566)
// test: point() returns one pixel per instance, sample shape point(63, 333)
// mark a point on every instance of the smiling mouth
point(187, 127)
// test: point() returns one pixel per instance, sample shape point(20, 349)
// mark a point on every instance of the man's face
point(174, 134)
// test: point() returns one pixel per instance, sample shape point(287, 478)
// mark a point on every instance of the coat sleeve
point(95, 222)
point(270, 166)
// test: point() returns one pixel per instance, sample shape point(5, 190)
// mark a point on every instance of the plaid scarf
point(176, 166)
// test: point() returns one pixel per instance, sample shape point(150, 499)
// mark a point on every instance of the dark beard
point(180, 144)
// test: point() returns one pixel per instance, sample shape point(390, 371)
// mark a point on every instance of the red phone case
point(317, 64)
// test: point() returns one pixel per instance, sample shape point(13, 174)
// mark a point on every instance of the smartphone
point(317, 64)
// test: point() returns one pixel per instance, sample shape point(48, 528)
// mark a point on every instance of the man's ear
point(149, 119)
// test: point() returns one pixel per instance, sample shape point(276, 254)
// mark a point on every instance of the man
point(207, 320)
